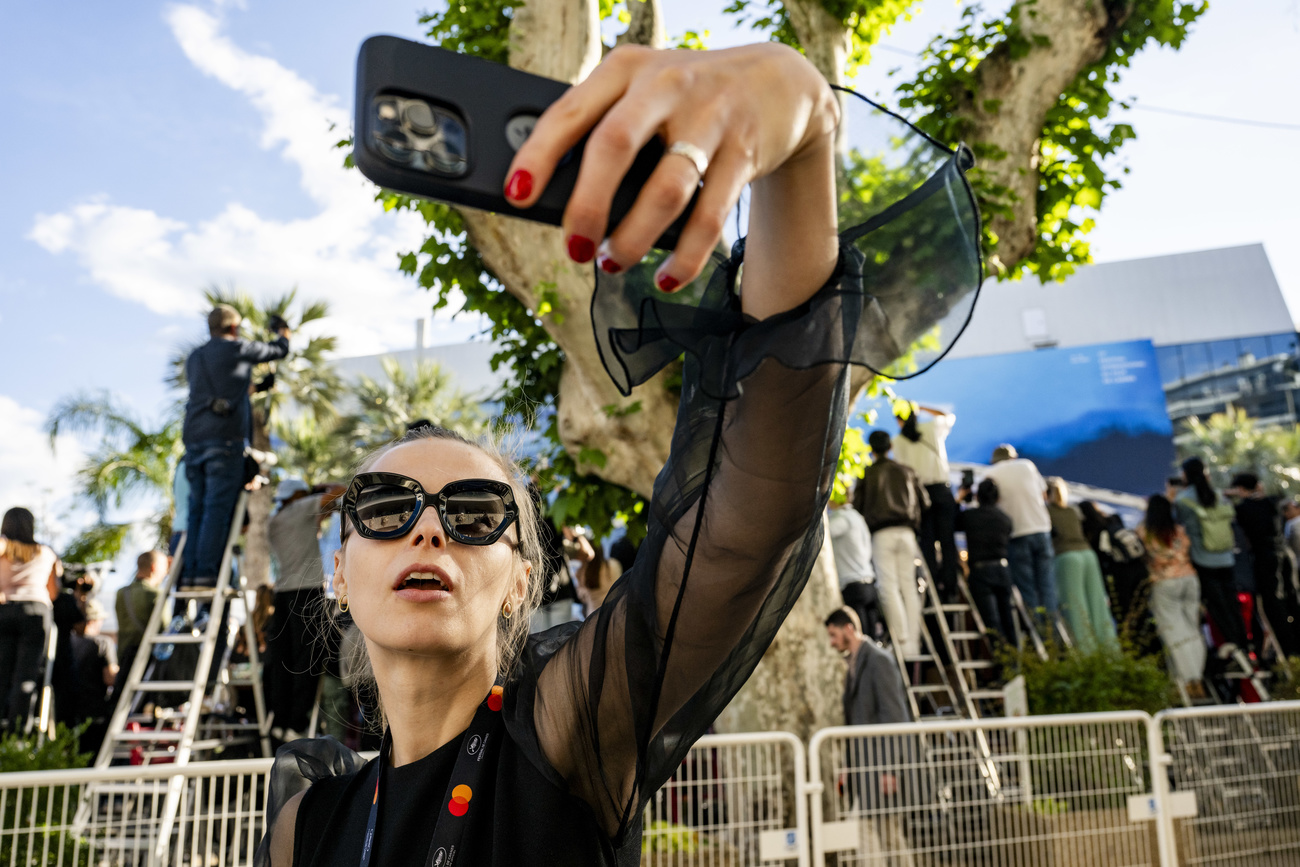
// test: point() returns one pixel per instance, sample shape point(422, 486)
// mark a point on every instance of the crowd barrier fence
point(1234, 784)
point(1205, 786)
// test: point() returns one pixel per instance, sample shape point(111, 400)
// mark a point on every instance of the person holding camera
point(218, 422)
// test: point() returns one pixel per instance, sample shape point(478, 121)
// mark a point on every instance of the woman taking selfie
point(501, 751)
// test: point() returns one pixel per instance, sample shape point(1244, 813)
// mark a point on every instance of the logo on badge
point(439, 857)
point(474, 743)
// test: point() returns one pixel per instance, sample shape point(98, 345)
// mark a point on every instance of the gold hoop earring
point(343, 604)
point(506, 610)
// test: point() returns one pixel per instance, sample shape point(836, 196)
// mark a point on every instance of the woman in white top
point(921, 445)
point(29, 576)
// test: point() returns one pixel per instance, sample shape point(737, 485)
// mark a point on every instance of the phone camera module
point(421, 136)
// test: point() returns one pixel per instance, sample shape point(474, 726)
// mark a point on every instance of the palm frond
point(313, 312)
point(83, 413)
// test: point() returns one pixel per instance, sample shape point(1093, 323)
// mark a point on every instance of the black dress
point(598, 715)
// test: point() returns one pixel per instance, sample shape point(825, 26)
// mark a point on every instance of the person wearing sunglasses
point(504, 749)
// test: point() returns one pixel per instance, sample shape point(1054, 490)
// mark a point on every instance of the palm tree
point(305, 383)
point(311, 451)
point(134, 462)
point(385, 408)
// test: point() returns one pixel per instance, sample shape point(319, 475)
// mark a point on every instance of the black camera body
point(221, 407)
point(446, 126)
point(275, 323)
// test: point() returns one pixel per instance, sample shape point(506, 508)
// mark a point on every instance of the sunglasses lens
point(385, 508)
point(475, 514)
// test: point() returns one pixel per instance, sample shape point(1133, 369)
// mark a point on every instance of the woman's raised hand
point(760, 114)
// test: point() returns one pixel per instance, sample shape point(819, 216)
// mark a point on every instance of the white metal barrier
point(1204, 786)
point(737, 801)
point(220, 820)
point(1023, 792)
point(1234, 778)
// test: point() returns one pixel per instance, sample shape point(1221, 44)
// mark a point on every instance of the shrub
point(1104, 680)
point(38, 809)
point(1286, 680)
point(19, 753)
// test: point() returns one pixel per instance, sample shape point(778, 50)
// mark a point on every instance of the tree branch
point(559, 39)
point(825, 40)
point(1052, 42)
point(647, 25)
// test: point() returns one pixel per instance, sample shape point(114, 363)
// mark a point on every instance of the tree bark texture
point(1013, 95)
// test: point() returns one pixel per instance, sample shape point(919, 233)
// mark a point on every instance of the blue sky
point(155, 148)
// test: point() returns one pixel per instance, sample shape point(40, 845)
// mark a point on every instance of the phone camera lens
point(419, 117)
point(395, 145)
point(414, 133)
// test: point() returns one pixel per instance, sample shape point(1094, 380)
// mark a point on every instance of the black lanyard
point(466, 778)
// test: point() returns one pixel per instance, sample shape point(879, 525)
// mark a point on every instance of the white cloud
point(344, 253)
point(33, 476)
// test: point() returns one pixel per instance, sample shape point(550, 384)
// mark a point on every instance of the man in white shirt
point(922, 445)
point(851, 544)
point(1030, 556)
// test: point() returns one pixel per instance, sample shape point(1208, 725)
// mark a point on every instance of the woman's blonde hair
point(512, 631)
point(1058, 492)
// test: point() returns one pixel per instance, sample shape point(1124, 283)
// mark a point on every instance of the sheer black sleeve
point(613, 706)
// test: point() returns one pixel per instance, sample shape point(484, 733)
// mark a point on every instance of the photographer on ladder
point(218, 420)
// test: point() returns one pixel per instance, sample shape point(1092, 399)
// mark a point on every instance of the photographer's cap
point(289, 487)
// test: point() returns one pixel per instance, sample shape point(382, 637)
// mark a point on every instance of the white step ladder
point(157, 736)
point(929, 685)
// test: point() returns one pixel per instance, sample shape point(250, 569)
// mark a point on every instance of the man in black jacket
point(891, 499)
point(218, 422)
point(988, 536)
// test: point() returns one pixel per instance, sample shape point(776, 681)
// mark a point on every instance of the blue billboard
point(1092, 414)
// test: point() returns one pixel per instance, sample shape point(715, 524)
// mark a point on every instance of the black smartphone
point(441, 125)
point(968, 479)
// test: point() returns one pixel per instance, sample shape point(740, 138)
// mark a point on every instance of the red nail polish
point(667, 282)
point(520, 185)
point(608, 265)
point(581, 249)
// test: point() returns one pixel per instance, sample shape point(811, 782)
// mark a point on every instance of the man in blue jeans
point(1030, 558)
point(218, 422)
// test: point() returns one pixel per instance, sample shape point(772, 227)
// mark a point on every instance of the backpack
point(1216, 525)
point(1123, 545)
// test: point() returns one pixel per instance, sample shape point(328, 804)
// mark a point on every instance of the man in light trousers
point(891, 498)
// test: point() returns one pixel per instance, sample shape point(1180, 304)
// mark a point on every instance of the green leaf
point(593, 456)
point(614, 410)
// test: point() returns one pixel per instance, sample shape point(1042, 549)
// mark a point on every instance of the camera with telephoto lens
point(274, 323)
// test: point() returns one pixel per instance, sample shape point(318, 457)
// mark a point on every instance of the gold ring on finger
point(698, 157)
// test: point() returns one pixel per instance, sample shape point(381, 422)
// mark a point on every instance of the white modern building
point(1222, 330)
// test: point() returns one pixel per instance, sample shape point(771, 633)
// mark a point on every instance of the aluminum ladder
point(127, 731)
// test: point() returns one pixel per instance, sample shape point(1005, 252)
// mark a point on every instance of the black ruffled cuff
point(902, 292)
